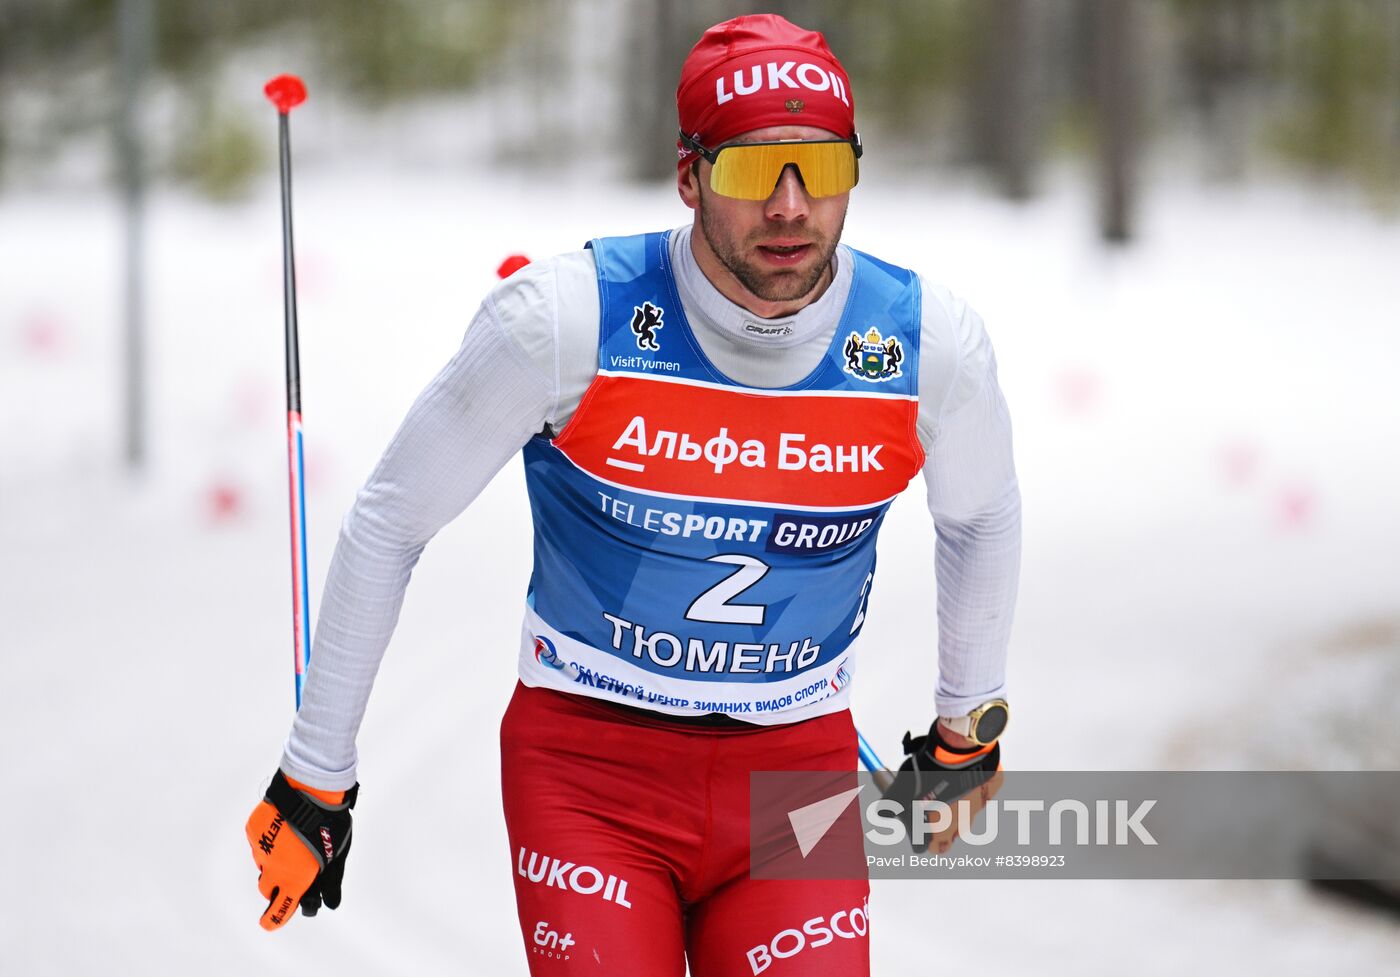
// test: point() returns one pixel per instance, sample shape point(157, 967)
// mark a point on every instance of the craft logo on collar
point(873, 358)
point(759, 329)
point(646, 319)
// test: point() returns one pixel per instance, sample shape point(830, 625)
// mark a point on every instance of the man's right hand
point(300, 836)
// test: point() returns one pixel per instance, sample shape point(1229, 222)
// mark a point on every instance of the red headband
point(758, 71)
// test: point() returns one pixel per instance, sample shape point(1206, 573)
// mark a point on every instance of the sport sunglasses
point(750, 170)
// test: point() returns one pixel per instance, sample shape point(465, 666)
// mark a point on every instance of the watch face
point(991, 724)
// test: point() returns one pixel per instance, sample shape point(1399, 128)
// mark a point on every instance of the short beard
point(766, 285)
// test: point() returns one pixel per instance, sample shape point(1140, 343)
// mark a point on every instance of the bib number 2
point(864, 598)
point(714, 604)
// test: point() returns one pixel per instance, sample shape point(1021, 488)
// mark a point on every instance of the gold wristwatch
point(982, 725)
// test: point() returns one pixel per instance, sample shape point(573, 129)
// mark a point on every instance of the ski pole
point(878, 771)
point(286, 92)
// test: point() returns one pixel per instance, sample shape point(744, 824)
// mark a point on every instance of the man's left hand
point(948, 767)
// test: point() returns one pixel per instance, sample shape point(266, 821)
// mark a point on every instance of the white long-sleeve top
point(527, 358)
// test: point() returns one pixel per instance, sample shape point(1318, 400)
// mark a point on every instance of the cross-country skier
point(714, 420)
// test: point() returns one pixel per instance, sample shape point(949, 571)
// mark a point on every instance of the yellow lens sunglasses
point(750, 170)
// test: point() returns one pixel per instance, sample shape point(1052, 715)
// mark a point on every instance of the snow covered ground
point(1206, 434)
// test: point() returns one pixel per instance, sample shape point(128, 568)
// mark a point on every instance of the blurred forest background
point(127, 90)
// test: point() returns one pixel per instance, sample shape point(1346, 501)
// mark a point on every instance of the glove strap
point(952, 756)
point(943, 753)
point(307, 815)
point(956, 771)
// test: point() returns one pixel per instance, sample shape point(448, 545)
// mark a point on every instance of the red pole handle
point(286, 92)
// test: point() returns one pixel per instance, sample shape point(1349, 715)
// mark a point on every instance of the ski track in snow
point(1205, 431)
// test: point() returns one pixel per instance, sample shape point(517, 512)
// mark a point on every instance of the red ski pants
point(629, 840)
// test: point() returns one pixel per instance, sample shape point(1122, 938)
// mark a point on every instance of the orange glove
point(300, 836)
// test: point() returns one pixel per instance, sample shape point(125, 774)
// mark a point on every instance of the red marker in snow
point(223, 500)
point(511, 265)
point(1296, 504)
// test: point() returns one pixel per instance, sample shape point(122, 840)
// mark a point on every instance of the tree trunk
point(651, 67)
point(134, 32)
point(1116, 108)
point(1003, 116)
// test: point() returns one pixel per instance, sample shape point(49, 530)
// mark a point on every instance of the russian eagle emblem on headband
point(873, 358)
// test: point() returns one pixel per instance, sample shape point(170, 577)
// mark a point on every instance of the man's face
point(778, 248)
